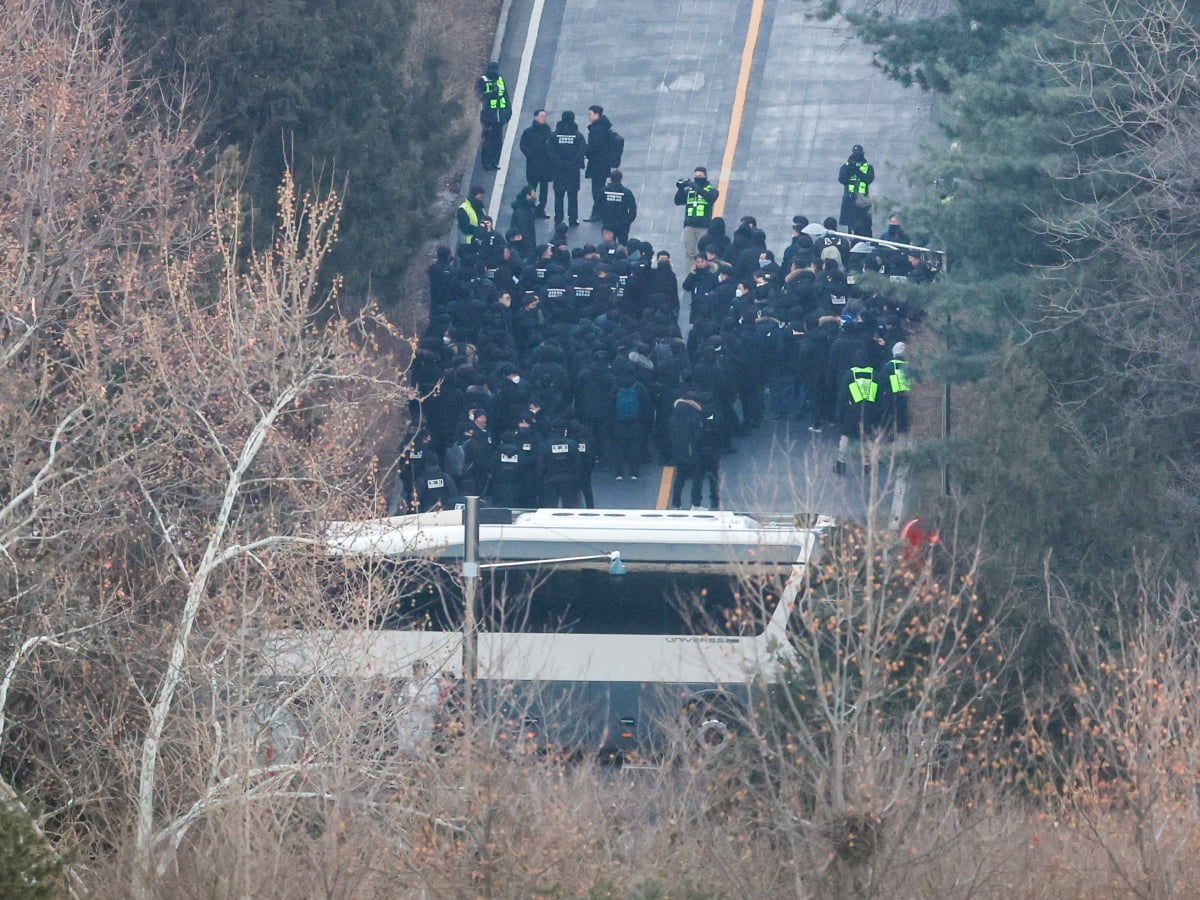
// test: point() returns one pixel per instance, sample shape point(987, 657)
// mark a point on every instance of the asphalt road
point(771, 102)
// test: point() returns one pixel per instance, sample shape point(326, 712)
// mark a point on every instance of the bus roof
point(667, 535)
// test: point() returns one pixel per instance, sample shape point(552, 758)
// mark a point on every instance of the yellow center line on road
point(739, 103)
point(731, 141)
point(664, 487)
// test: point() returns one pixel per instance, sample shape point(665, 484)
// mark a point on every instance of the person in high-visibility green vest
point(495, 109)
point(468, 216)
point(855, 176)
point(895, 385)
point(858, 409)
point(697, 195)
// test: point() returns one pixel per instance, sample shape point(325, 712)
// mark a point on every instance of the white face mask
point(738, 293)
point(516, 379)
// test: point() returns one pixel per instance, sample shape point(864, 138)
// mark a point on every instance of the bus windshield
point(652, 598)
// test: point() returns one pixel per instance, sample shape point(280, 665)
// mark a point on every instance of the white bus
point(594, 627)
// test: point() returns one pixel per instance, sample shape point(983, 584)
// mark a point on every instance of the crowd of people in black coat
point(544, 365)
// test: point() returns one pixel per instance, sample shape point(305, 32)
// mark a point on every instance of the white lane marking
point(516, 123)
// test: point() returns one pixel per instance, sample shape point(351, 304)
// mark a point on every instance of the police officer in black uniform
point(560, 467)
point(566, 150)
point(506, 471)
point(435, 489)
point(415, 454)
point(619, 208)
point(587, 461)
point(528, 445)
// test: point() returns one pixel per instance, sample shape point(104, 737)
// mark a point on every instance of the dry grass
point(496, 827)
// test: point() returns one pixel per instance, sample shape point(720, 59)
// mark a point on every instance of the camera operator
point(697, 197)
point(855, 176)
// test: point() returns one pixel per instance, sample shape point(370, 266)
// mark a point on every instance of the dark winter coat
point(855, 420)
point(511, 400)
point(716, 240)
point(599, 148)
point(893, 407)
point(524, 219)
point(620, 207)
point(746, 237)
point(683, 428)
point(566, 151)
point(704, 187)
point(535, 146)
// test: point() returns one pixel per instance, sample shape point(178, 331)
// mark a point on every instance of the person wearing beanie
point(494, 112)
point(894, 389)
point(566, 150)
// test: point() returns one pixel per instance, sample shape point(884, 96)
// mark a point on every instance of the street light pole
point(471, 567)
point(470, 576)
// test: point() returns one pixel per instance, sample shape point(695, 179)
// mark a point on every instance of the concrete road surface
point(771, 102)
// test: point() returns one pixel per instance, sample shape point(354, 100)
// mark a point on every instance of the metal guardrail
point(894, 245)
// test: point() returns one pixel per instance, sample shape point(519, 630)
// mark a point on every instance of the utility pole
point(470, 580)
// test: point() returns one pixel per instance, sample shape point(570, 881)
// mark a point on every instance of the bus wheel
point(713, 733)
point(713, 723)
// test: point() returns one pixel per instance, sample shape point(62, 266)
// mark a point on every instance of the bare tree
point(1126, 753)
point(888, 719)
point(173, 417)
point(1133, 216)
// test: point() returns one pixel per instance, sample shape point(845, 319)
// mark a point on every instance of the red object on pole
point(917, 539)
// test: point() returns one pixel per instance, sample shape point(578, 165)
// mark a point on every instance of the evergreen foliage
point(1065, 195)
point(329, 88)
point(29, 869)
point(932, 52)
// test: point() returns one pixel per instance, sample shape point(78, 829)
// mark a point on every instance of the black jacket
point(534, 145)
point(566, 149)
point(683, 428)
point(599, 148)
point(620, 206)
point(524, 219)
point(705, 189)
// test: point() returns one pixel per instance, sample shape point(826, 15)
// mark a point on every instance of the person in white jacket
point(419, 701)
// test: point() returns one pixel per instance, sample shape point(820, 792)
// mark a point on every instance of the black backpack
point(456, 459)
point(616, 147)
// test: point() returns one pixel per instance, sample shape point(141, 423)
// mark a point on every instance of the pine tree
point(1065, 197)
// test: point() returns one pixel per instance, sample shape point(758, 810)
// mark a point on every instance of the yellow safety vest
point(697, 205)
point(495, 95)
point(472, 216)
point(863, 387)
point(898, 380)
point(858, 183)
